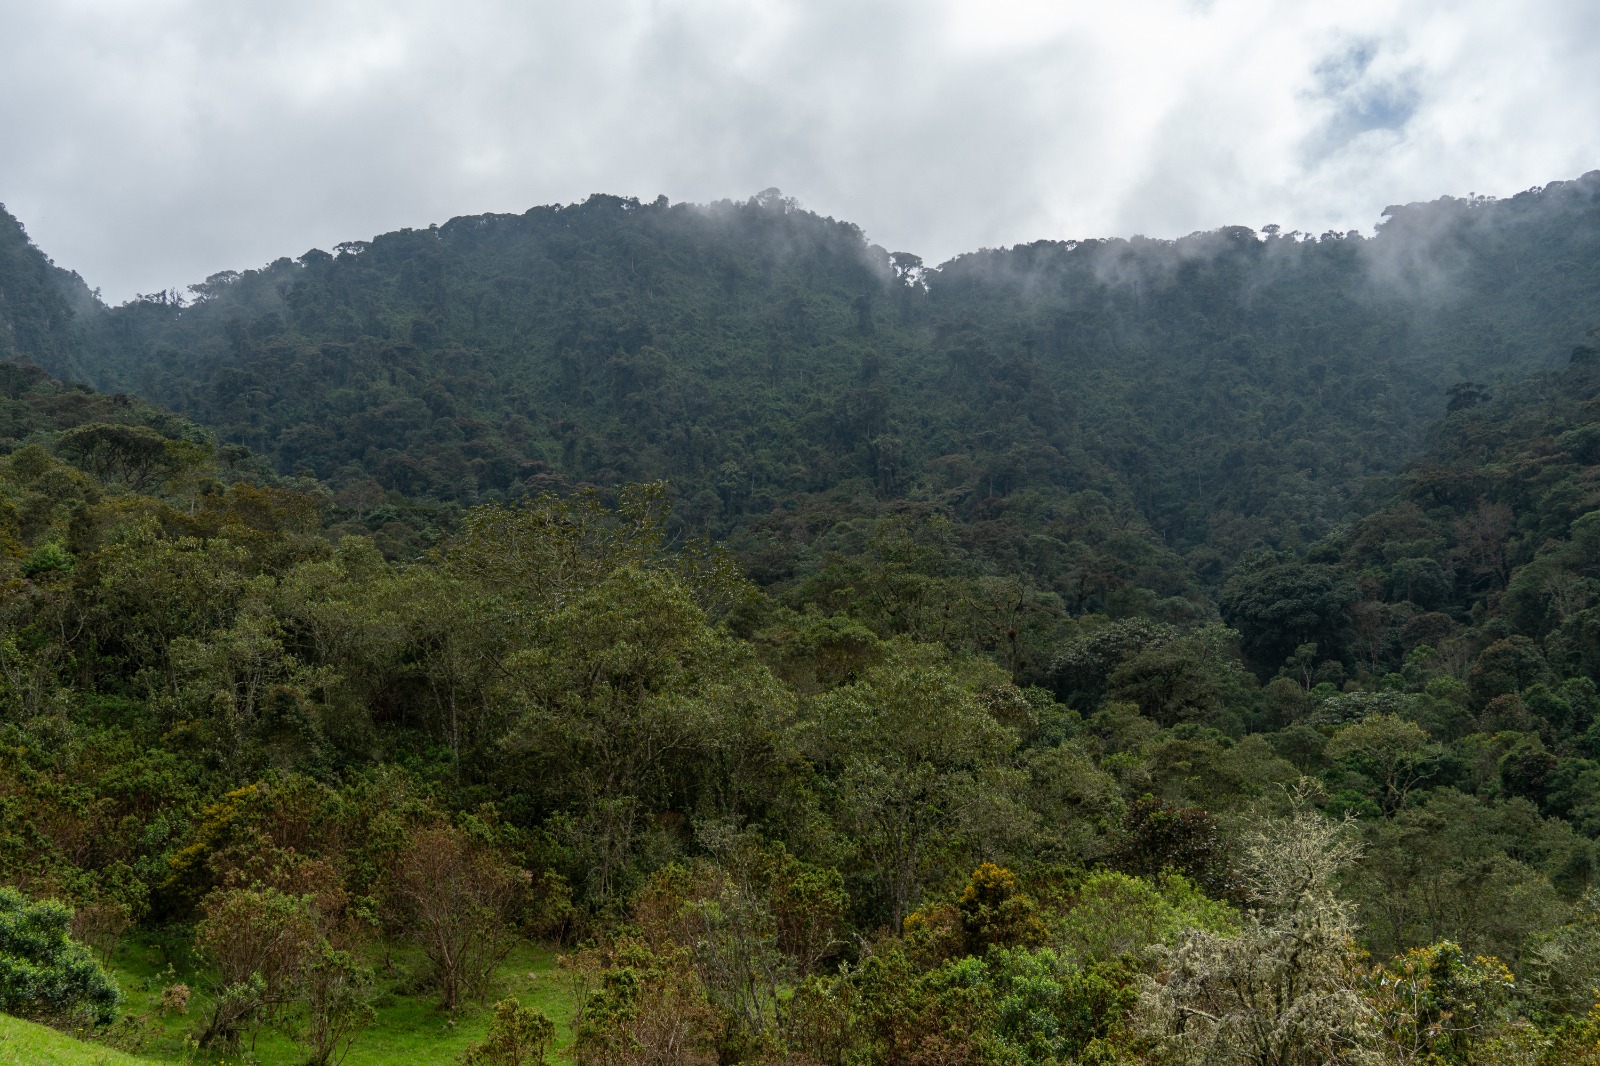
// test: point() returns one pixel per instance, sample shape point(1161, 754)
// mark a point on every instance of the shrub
point(44, 974)
point(518, 1036)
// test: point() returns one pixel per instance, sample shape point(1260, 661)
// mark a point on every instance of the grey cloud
point(1365, 103)
point(151, 144)
point(1361, 101)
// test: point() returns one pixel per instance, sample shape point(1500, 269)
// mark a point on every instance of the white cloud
point(148, 144)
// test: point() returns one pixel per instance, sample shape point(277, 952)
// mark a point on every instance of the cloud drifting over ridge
point(148, 143)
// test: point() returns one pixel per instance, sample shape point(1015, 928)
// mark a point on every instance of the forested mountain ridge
point(1283, 356)
point(469, 359)
point(754, 354)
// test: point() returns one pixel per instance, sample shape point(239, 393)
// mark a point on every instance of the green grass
point(26, 1044)
point(410, 1028)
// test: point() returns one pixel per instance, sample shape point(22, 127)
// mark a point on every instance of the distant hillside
point(1497, 526)
point(1153, 399)
point(1244, 384)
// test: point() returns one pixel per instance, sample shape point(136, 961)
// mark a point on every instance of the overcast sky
point(149, 143)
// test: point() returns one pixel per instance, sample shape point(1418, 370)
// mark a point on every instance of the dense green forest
point(1087, 424)
point(1101, 652)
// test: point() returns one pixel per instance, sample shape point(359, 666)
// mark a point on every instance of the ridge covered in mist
point(1104, 425)
point(752, 352)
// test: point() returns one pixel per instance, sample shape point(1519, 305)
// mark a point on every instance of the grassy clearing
point(410, 1028)
point(26, 1044)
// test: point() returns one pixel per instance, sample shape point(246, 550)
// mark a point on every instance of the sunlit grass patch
point(409, 1028)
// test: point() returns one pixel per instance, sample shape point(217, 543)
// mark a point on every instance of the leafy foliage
point(44, 974)
point(930, 702)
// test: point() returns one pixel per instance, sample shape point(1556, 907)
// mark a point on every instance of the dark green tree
point(44, 974)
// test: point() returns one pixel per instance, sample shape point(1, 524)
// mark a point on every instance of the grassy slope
point(26, 1044)
point(409, 1029)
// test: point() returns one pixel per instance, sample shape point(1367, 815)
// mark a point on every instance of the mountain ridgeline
point(972, 454)
point(1226, 390)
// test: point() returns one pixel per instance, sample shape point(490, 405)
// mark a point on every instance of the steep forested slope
point(1493, 534)
point(1243, 384)
point(755, 355)
point(609, 341)
point(218, 722)
point(37, 301)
